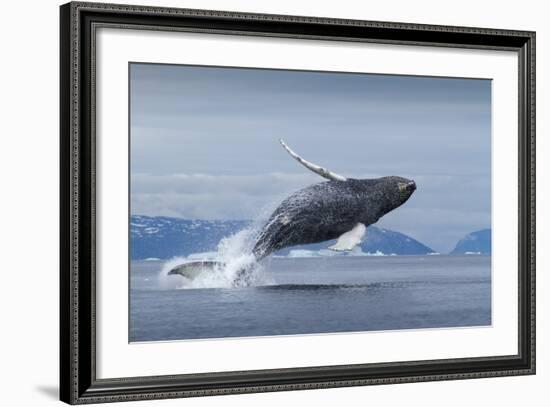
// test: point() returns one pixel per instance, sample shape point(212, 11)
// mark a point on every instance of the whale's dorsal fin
point(350, 239)
point(323, 172)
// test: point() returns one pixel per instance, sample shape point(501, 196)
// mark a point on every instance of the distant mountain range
point(474, 243)
point(377, 241)
point(164, 237)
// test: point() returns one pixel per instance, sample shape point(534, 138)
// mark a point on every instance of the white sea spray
point(236, 266)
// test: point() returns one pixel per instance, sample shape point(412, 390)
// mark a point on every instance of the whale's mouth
point(406, 189)
point(407, 186)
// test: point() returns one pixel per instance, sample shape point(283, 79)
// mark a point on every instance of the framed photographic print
point(255, 203)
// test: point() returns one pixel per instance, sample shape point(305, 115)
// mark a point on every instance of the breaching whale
point(340, 208)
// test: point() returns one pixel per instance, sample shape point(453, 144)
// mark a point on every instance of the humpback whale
point(340, 208)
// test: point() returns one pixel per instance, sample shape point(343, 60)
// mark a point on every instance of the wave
point(314, 287)
point(335, 287)
point(234, 254)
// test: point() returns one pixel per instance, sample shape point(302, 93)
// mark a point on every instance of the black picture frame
point(78, 382)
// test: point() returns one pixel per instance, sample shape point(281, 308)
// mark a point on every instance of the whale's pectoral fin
point(350, 239)
point(323, 172)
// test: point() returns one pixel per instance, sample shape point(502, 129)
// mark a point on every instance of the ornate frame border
point(78, 382)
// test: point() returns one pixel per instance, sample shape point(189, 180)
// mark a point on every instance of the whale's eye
point(402, 186)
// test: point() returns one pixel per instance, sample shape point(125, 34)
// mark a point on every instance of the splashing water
point(234, 256)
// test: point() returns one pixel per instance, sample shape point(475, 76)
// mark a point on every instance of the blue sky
point(204, 142)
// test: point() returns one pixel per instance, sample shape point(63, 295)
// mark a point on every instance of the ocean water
point(315, 295)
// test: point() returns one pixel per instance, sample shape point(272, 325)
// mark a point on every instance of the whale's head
point(381, 195)
point(395, 191)
point(406, 187)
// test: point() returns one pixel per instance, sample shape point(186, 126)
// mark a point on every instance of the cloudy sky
point(204, 142)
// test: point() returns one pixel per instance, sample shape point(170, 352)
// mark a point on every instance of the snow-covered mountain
point(377, 241)
point(478, 242)
point(164, 237)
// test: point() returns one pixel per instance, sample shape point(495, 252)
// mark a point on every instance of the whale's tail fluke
point(232, 265)
point(193, 269)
